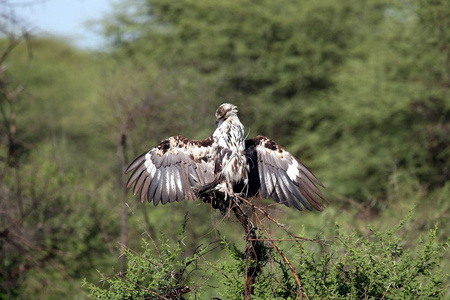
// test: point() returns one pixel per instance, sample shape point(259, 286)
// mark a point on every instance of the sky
point(65, 18)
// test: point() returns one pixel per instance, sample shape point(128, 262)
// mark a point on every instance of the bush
point(376, 267)
point(353, 267)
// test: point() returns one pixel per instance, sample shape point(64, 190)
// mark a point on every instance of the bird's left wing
point(168, 172)
point(275, 173)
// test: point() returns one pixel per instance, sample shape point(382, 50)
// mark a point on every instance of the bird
point(224, 165)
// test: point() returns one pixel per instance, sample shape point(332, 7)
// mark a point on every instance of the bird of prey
point(226, 163)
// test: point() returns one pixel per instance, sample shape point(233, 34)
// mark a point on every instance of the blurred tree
point(342, 77)
point(49, 202)
point(387, 119)
point(273, 57)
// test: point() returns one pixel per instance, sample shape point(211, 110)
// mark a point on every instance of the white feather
point(230, 135)
point(151, 169)
point(292, 170)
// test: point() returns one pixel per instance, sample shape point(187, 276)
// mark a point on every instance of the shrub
point(354, 267)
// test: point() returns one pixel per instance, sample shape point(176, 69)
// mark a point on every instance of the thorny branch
point(297, 279)
point(123, 277)
point(297, 239)
point(255, 249)
point(257, 245)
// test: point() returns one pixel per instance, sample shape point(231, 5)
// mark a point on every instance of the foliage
point(377, 267)
point(354, 267)
point(164, 274)
point(48, 203)
point(386, 114)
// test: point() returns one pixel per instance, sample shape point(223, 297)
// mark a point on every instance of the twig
point(253, 251)
point(143, 228)
point(121, 275)
point(294, 237)
point(297, 279)
point(384, 294)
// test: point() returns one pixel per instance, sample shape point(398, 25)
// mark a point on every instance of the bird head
point(225, 111)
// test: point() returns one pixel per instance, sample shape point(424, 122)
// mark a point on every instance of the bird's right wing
point(168, 172)
point(275, 173)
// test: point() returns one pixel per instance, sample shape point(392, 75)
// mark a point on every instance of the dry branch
point(254, 251)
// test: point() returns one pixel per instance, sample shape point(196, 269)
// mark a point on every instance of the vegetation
point(358, 90)
point(372, 267)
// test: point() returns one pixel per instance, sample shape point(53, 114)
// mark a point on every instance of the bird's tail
point(210, 193)
point(208, 188)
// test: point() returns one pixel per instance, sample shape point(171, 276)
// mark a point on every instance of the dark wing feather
point(179, 185)
point(292, 190)
point(168, 172)
point(146, 187)
point(260, 181)
point(271, 181)
point(138, 184)
point(157, 196)
point(275, 173)
point(152, 189)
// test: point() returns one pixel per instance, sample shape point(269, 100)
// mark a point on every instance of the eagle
point(225, 164)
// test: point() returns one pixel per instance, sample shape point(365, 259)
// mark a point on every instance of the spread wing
point(168, 172)
point(275, 173)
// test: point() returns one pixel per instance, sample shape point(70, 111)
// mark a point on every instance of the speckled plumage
point(259, 167)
